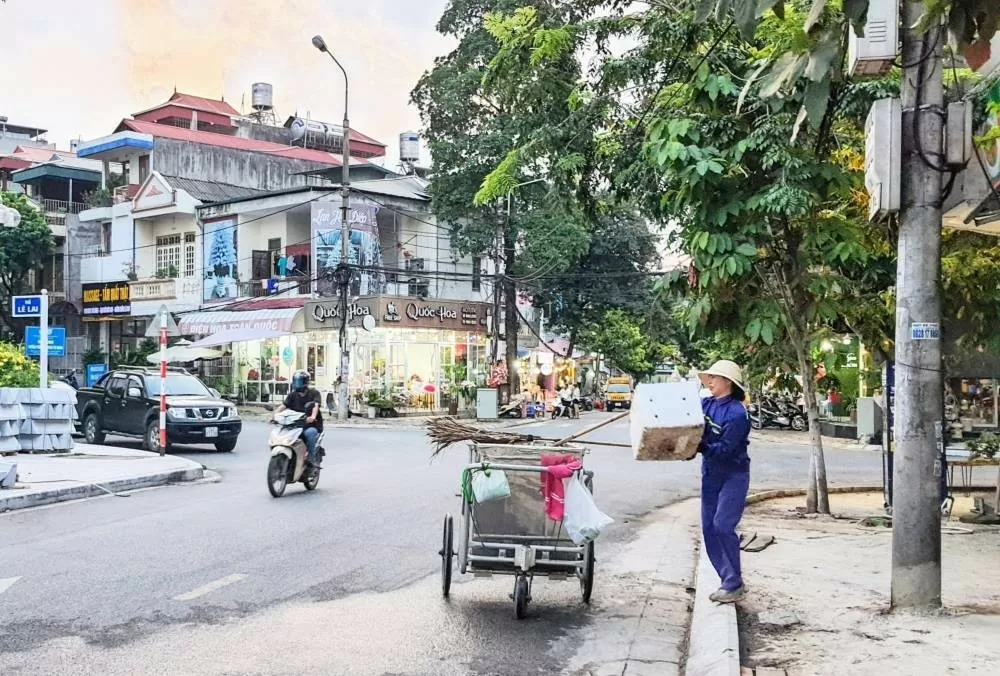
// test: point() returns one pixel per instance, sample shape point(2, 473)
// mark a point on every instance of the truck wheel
point(152, 438)
point(226, 446)
point(92, 433)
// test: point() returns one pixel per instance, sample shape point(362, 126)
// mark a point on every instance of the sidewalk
point(641, 628)
point(818, 598)
point(89, 471)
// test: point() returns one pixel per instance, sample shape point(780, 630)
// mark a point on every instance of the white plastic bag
point(490, 484)
point(582, 519)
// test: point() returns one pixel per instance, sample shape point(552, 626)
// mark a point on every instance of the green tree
point(612, 273)
point(22, 250)
point(774, 230)
point(472, 120)
point(625, 343)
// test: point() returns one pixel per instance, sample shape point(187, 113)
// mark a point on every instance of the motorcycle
point(768, 412)
point(587, 404)
point(560, 410)
point(288, 454)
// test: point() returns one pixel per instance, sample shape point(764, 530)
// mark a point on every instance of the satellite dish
point(368, 323)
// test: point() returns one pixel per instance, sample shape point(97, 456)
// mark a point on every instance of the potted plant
point(372, 402)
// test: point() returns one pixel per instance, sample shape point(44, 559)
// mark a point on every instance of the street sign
point(26, 306)
point(94, 373)
point(153, 331)
point(33, 342)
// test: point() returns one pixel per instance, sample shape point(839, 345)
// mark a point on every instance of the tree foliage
point(16, 370)
point(622, 337)
point(22, 250)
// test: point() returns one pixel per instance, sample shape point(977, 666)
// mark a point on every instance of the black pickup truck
point(126, 402)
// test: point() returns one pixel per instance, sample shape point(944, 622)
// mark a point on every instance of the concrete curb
point(764, 496)
point(714, 642)
point(94, 489)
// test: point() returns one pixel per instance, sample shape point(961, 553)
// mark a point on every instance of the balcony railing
point(62, 207)
point(258, 288)
point(164, 289)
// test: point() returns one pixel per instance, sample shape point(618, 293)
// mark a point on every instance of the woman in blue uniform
point(725, 474)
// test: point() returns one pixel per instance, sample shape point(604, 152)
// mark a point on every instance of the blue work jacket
point(726, 442)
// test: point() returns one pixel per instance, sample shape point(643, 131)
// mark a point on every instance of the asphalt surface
point(220, 578)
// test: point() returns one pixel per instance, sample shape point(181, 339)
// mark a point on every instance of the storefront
point(106, 307)
point(262, 356)
point(417, 355)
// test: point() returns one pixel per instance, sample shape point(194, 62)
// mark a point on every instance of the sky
point(77, 67)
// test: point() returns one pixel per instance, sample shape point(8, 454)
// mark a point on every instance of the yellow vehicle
point(619, 394)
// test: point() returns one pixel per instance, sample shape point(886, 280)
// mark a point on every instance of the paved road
point(215, 578)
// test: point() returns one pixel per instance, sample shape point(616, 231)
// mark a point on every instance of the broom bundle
point(445, 431)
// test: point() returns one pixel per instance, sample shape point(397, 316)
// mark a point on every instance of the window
point(105, 239)
point(143, 168)
point(168, 255)
point(419, 286)
point(117, 386)
point(189, 254)
point(477, 273)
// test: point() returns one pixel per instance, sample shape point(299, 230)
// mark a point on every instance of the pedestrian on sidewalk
point(725, 473)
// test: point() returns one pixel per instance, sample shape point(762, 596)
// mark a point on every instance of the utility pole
point(916, 534)
point(344, 271)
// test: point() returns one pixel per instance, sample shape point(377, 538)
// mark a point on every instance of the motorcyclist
point(307, 400)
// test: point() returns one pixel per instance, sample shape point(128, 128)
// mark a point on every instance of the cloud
point(84, 66)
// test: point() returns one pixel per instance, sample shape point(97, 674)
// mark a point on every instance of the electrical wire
point(229, 227)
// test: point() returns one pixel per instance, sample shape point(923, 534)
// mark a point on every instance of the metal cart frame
point(513, 536)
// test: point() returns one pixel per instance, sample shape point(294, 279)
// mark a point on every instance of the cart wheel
point(447, 552)
point(587, 572)
point(521, 597)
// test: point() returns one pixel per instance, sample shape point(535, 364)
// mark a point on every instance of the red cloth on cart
point(557, 467)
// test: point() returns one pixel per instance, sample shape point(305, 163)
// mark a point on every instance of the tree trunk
point(817, 496)
point(511, 320)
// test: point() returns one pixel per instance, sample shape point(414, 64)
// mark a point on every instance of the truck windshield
point(177, 386)
point(619, 389)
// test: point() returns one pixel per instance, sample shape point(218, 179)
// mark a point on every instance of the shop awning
point(209, 323)
point(237, 336)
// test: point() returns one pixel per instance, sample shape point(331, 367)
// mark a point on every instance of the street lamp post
point(343, 273)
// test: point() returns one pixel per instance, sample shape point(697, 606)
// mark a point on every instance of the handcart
point(513, 536)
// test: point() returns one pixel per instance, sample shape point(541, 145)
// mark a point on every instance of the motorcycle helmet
point(300, 380)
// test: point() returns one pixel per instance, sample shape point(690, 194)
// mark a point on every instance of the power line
point(235, 226)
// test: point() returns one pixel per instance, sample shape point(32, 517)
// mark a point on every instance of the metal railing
point(257, 288)
point(62, 207)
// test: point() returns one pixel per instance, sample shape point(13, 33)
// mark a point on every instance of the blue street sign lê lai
point(26, 306)
point(33, 342)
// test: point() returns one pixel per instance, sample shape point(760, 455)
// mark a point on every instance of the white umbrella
point(237, 336)
point(182, 354)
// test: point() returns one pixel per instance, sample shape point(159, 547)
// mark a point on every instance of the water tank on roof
point(409, 147)
point(262, 96)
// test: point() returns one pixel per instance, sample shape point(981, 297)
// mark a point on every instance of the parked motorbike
point(775, 413)
point(587, 404)
point(288, 454)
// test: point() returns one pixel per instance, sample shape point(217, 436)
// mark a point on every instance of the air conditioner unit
point(883, 144)
point(874, 54)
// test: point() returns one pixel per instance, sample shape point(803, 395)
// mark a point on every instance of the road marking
point(7, 582)
point(211, 587)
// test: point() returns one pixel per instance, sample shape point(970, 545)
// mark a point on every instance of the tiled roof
point(226, 141)
point(198, 103)
point(208, 192)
